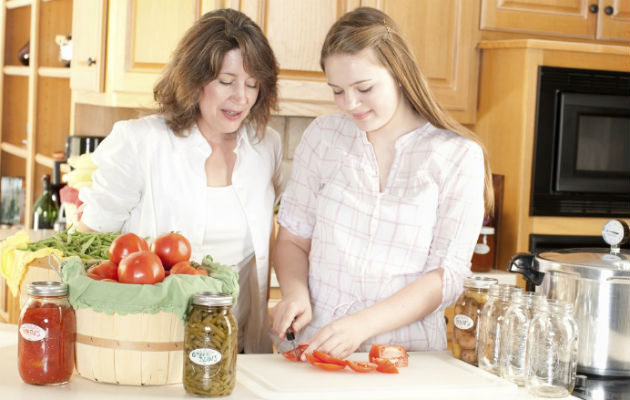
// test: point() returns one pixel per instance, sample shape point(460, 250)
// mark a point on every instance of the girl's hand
point(340, 338)
point(289, 311)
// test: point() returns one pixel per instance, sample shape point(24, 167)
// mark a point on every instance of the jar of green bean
point(210, 343)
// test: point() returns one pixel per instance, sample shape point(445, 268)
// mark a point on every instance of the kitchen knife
point(290, 335)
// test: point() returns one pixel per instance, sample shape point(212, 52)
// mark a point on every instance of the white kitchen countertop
point(79, 388)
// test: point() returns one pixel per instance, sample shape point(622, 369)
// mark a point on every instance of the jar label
point(32, 332)
point(205, 356)
point(463, 321)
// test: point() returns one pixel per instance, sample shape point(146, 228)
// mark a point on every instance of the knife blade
point(290, 335)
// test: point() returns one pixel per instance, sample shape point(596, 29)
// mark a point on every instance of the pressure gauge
point(615, 232)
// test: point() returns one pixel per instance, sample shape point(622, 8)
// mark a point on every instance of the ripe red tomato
point(171, 248)
point(124, 245)
point(295, 354)
point(361, 366)
point(105, 269)
point(327, 358)
point(183, 267)
point(141, 267)
point(396, 354)
point(385, 366)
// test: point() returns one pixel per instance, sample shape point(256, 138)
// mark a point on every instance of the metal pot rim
point(590, 263)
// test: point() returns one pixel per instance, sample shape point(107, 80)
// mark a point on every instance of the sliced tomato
point(311, 358)
point(385, 366)
point(361, 366)
point(295, 354)
point(327, 358)
point(396, 354)
point(328, 366)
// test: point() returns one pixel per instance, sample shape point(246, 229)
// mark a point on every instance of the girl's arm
point(413, 302)
point(291, 266)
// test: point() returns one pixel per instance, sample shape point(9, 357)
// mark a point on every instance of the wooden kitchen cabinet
point(595, 19)
point(141, 34)
point(35, 107)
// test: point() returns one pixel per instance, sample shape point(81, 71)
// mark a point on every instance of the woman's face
point(363, 89)
point(226, 101)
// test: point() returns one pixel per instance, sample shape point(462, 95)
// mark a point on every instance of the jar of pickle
point(490, 325)
point(466, 315)
point(46, 335)
point(210, 346)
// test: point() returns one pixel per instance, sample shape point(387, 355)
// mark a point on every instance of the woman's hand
point(340, 338)
point(292, 311)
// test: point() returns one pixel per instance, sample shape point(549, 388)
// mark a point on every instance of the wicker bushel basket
point(131, 334)
point(132, 349)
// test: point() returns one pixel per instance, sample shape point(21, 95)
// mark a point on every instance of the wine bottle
point(45, 210)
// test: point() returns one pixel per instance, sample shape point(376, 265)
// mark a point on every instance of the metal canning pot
point(598, 284)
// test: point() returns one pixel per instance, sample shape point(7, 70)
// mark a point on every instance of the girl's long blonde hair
point(367, 27)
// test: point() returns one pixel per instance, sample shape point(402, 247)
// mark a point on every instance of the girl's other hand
point(289, 311)
point(340, 338)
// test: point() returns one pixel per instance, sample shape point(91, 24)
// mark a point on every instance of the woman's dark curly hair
point(197, 60)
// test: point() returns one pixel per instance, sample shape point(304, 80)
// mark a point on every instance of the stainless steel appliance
point(597, 281)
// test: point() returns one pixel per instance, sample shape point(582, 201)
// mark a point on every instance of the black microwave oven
point(581, 164)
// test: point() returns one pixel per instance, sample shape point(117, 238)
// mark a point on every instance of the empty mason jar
point(552, 350)
point(490, 324)
point(514, 337)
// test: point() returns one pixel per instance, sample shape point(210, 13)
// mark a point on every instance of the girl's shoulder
point(450, 144)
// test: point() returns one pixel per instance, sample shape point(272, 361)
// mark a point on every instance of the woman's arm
point(413, 302)
point(291, 266)
point(84, 228)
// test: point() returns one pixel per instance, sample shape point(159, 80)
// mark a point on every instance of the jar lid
point(47, 288)
point(479, 282)
point(212, 299)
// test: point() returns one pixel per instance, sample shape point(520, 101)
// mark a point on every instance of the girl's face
point(364, 90)
point(226, 101)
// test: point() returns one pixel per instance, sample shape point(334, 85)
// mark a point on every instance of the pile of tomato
point(383, 358)
point(132, 260)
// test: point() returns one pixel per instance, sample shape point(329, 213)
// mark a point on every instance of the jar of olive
point(466, 315)
point(210, 344)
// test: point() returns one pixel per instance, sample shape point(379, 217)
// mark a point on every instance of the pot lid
point(588, 262)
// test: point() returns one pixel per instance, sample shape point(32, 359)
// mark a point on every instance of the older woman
point(206, 165)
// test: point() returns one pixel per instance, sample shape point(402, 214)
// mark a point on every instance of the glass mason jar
point(490, 324)
point(47, 333)
point(210, 346)
point(552, 346)
point(515, 329)
point(466, 316)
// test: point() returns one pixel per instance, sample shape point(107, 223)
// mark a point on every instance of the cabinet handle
point(593, 8)
point(609, 10)
point(90, 61)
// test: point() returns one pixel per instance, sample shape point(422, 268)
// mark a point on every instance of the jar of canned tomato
point(46, 335)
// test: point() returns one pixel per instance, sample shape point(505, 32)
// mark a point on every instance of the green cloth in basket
point(171, 295)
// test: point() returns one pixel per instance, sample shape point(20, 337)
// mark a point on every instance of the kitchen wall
point(291, 130)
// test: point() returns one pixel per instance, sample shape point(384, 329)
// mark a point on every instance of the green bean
point(88, 246)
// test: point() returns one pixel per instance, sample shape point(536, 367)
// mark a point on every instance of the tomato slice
point(328, 366)
point(327, 358)
point(311, 358)
point(385, 366)
point(394, 353)
point(361, 366)
point(296, 354)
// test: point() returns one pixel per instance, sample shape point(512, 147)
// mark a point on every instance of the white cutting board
point(429, 375)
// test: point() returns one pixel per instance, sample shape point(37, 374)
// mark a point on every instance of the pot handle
point(619, 279)
point(526, 265)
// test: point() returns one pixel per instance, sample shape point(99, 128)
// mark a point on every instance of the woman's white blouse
point(367, 244)
point(151, 182)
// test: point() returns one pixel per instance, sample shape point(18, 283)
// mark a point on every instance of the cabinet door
point(296, 31)
point(88, 41)
point(616, 25)
point(141, 37)
point(570, 18)
point(443, 37)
